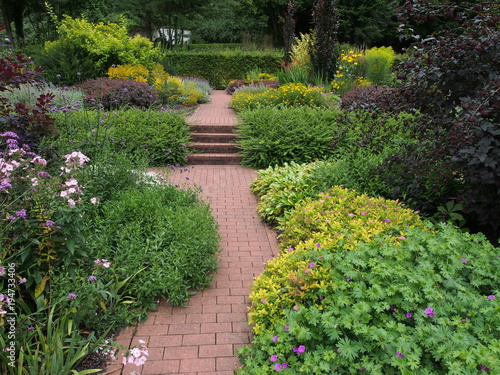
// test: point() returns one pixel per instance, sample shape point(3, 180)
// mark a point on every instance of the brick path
point(202, 338)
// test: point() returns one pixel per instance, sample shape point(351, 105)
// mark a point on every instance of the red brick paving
point(202, 338)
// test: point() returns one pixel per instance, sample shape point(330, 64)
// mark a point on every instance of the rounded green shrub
point(162, 137)
point(339, 219)
point(425, 304)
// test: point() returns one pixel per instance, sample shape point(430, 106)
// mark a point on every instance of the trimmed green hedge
point(220, 67)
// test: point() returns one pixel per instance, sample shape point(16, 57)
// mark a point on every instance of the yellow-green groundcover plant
point(363, 285)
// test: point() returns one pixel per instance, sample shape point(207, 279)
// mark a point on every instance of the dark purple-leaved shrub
point(453, 78)
point(30, 123)
point(118, 93)
point(375, 98)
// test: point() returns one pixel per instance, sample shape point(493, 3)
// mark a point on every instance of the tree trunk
point(149, 26)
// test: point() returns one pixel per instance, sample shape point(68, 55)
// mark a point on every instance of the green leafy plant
point(339, 217)
point(368, 313)
point(51, 346)
point(167, 230)
point(280, 188)
point(274, 136)
point(160, 136)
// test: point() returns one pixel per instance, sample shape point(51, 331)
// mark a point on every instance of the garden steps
point(213, 133)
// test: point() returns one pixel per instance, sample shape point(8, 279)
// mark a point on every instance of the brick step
point(214, 159)
point(215, 148)
point(213, 137)
point(227, 129)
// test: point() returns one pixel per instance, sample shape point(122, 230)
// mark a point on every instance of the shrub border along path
point(202, 338)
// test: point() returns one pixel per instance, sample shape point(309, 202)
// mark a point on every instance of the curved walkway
point(202, 338)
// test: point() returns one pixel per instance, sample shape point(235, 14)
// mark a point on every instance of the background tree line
point(360, 22)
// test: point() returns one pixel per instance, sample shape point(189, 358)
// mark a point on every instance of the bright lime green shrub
point(138, 73)
point(104, 43)
point(289, 95)
point(378, 63)
point(425, 304)
point(339, 219)
point(300, 51)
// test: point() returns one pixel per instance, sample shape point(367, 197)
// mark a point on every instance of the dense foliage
point(453, 78)
point(336, 308)
point(272, 136)
point(65, 269)
point(162, 137)
point(101, 45)
point(30, 123)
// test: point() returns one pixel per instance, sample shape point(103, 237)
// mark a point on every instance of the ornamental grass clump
point(424, 304)
point(339, 219)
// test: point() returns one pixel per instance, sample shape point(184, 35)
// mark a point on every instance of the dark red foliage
point(375, 98)
point(29, 123)
point(117, 93)
point(16, 70)
point(453, 78)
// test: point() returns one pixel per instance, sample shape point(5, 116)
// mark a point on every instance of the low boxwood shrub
point(427, 303)
point(160, 135)
point(118, 93)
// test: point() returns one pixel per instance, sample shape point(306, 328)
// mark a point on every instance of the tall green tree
point(367, 22)
point(226, 21)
